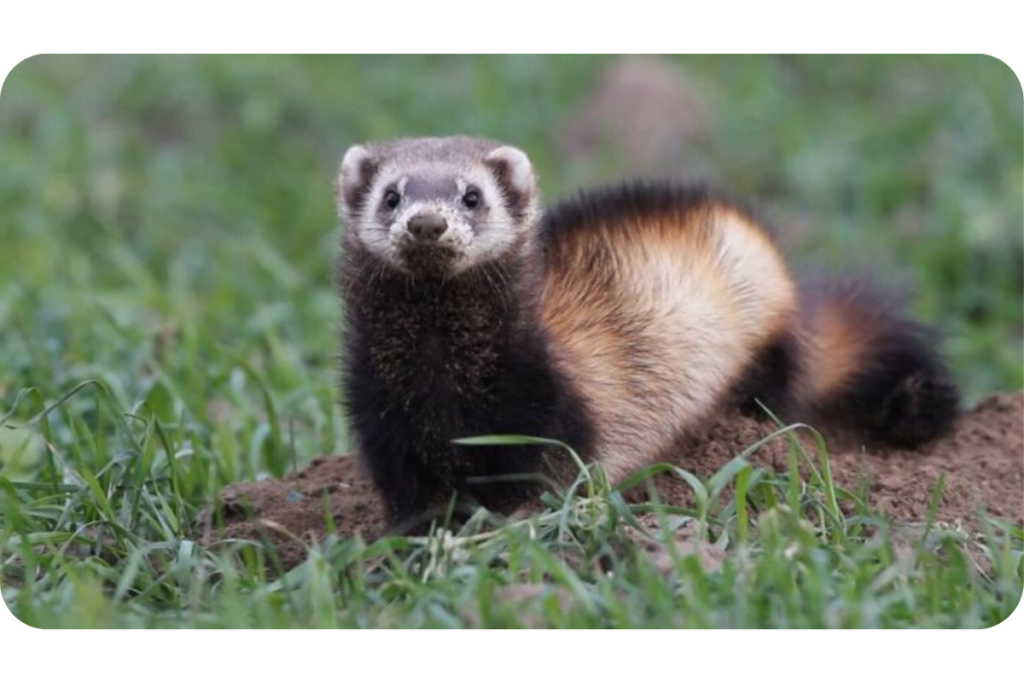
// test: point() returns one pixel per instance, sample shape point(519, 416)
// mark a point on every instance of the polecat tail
point(873, 369)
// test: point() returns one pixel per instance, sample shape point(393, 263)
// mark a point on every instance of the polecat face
point(437, 205)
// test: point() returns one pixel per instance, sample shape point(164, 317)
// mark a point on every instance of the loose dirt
point(982, 461)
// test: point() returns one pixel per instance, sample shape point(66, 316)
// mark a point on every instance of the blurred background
point(167, 223)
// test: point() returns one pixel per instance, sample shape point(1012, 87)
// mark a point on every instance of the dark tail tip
point(919, 408)
point(896, 390)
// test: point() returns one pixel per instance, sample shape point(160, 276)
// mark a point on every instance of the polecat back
point(659, 298)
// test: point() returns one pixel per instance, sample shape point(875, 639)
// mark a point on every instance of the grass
point(170, 326)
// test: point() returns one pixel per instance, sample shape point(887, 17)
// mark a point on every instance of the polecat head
point(438, 205)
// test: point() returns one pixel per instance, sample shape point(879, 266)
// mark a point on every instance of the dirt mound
point(295, 510)
point(983, 464)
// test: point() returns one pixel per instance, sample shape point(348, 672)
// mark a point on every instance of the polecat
point(616, 322)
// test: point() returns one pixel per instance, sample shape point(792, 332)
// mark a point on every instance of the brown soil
point(983, 464)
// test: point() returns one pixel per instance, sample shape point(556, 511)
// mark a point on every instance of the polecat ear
point(358, 168)
point(514, 173)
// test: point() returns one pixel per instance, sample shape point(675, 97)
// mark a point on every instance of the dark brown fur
point(428, 361)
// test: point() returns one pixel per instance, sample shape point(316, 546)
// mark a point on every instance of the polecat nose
point(426, 227)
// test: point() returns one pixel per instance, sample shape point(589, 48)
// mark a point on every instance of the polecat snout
point(619, 321)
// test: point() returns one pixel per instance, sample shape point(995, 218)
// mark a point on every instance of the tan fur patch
point(657, 318)
point(838, 350)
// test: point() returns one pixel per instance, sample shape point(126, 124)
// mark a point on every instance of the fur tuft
point(872, 369)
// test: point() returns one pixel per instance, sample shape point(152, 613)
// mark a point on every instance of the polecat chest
point(443, 343)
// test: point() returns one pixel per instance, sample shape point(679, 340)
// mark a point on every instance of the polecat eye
point(471, 199)
point(391, 199)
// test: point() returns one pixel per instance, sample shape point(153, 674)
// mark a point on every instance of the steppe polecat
point(614, 321)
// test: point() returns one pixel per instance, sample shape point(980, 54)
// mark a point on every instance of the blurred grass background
point(167, 222)
point(167, 236)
